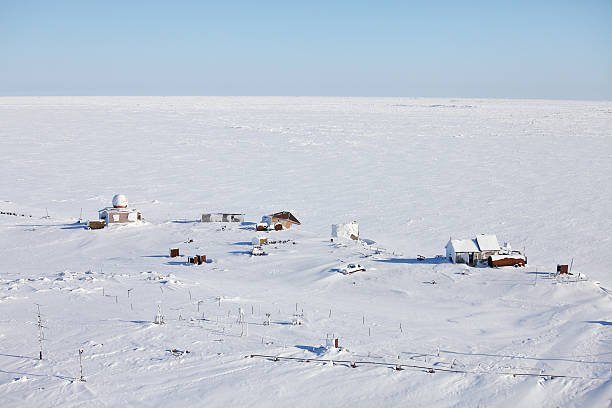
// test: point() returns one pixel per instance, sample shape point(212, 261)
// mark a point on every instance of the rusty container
point(508, 261)
point(96, 224)
point(174, 252)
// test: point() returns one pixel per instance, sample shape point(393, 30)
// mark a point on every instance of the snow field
point(412, 172)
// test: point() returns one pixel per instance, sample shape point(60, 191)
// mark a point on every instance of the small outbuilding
point(196, 259)
point(223, 217)
point(562, 269)
point(348, 231)
point(284, 218)
point(119, 213)
point(462, 251)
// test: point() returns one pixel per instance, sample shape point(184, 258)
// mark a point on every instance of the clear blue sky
point(514, 49)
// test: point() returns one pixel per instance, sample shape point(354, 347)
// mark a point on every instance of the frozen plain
point(412, 172)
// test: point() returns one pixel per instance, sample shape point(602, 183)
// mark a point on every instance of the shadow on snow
point(316, 350)
point(431, 261)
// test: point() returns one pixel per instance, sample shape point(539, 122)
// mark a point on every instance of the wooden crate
point(96, 225)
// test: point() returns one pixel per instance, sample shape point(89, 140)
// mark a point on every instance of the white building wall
point(348, 231)
point(450, 252)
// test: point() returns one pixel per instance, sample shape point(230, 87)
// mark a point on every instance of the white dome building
point(120, 201)
point(119, 213)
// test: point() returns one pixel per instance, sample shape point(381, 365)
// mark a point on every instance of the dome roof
point(120, 201)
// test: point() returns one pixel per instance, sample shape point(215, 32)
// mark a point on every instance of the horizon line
point(300, 96)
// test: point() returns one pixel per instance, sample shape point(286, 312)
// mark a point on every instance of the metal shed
point(223, 217)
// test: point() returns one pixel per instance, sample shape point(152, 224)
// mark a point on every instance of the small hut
point(462, 251)
point(348, 231)
point(284, 218)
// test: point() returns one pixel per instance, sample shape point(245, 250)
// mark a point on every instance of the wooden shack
point(284, 218)
point(94, 225)
point(561, 269)
point(197, 259)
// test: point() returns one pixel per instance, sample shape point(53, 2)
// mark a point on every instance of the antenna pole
point(81, 364)
point(40, 334)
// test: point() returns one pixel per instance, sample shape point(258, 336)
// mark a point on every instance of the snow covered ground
point(412, 172)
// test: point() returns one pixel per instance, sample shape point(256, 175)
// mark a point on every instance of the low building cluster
point(483, 249)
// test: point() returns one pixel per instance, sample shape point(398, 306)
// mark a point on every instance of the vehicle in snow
point(351, 268)
point(258, 251)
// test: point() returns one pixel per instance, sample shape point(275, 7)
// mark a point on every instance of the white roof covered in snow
point(510, 256)
point(464, 245)
point(487, 242)
point(115, 209)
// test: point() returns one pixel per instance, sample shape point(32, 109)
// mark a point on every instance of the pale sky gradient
point(518, 49)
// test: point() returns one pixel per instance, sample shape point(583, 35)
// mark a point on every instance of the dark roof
point(285, 215)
